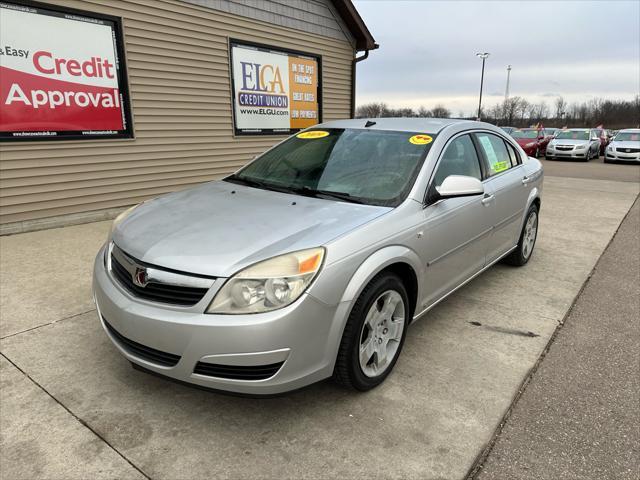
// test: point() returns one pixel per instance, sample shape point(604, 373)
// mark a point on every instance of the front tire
point(521, 255)
point(374, 334)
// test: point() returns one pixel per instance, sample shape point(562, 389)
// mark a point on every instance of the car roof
point(401, 124)
point(629, 130)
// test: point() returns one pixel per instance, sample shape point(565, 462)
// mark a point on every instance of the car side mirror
point(460, 186)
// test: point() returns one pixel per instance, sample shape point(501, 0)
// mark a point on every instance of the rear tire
point(367, 335)
point(522, 254)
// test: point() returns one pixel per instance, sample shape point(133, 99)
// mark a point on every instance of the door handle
point(525, 180)
point(488, 198)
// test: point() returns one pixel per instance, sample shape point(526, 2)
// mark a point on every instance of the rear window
point(495, 152)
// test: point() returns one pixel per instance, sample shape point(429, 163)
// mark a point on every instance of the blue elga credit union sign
point(275, 91)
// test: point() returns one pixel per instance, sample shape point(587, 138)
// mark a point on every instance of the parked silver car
point(576, 143)
point(311, 261)
point(625, 146)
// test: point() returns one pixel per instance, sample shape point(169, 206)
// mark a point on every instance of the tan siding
point(177, 58)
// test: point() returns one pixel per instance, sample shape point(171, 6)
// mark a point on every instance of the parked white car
point(625, 146)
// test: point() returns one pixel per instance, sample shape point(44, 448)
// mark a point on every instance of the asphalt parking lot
point(72, 407)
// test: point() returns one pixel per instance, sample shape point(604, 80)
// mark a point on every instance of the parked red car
point(532, 140)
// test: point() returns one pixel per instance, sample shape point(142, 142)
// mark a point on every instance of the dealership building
point(105, 103)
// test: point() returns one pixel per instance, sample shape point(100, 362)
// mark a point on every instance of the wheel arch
point(397, 259)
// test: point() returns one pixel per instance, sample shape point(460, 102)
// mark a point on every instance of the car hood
point(625, 144)
point(219, 228)
point(570, 142)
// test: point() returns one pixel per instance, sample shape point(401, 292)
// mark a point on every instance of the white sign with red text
point(58, 74)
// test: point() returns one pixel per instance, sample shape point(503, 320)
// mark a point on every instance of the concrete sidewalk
point(579, 417)
point(72, 407)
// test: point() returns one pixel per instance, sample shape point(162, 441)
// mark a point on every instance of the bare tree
point(561, 106)
point(523, 108)
point(519, 112)
point(423, 112)
point(440, 111)
point(371, 110)
point(511, 106)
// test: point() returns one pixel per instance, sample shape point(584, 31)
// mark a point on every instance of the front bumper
point(303, 337)
point(622, 156)
point(575, 154)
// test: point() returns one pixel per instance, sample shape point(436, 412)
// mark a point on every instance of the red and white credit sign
point(59, 75)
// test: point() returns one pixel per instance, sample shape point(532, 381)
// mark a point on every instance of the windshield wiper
point(257, 184)
point(329, 193)
point(306, 191)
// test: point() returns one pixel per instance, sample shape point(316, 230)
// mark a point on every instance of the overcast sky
point(577, 49)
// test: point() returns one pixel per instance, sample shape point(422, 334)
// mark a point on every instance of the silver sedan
point(575, 143)
point(311, 261)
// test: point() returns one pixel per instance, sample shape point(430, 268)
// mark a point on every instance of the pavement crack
point(80, 420)
point(510, 331)
point(46, 324)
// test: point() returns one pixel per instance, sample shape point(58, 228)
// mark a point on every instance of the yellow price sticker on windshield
point(313, 134)
point(421, 139)
point(500, 166)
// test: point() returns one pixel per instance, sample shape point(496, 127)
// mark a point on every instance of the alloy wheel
point(381, 333)
point(530, 233)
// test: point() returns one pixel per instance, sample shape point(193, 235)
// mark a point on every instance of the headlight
point(268, 285)
point(530, 144)
point(609, 148)
point(580, 147)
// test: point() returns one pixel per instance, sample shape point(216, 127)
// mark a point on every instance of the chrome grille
point(156, 284)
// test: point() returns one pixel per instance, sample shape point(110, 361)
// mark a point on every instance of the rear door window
point(495, 153)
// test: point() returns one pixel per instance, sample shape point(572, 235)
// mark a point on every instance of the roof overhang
point(357, 27)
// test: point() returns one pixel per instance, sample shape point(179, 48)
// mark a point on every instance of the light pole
point(506, 91)
point(483, 56)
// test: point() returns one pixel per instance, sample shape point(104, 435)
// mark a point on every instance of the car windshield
point(627, 137)
point(573, 135)
point(355, 165)
point(524, 134)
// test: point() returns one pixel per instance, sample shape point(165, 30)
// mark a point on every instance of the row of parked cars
point(578, 143)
